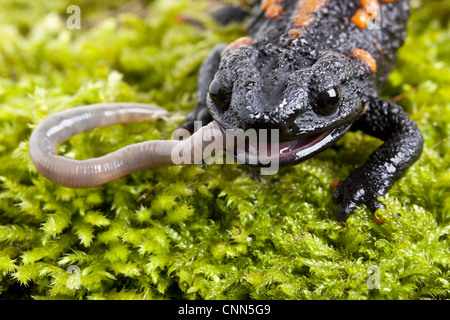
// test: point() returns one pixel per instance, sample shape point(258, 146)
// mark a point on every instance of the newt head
point(312, 103)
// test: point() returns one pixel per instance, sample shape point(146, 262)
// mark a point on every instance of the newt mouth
point(290, 152)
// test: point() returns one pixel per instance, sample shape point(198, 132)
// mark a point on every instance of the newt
point(310, 69)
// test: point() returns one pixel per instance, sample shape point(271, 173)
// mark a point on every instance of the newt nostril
point(288, 132)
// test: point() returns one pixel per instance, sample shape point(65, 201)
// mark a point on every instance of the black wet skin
point(276, 81)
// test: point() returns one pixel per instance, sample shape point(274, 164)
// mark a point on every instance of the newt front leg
point(402, 146)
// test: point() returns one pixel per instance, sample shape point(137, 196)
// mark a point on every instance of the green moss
point(204, 232)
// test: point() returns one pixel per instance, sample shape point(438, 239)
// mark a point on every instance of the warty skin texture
point(297, 53)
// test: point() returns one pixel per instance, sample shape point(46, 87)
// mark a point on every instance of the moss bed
point(204, 232)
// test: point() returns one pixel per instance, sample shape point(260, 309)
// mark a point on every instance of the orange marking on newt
point(295, 33)
point(304, 20)
point(360, 19)
point(365, 57)
point(335, 183)
point(265, 4)
point(305, 14)
point(275, 11)
point(273, 8)
point(238, 42)
point(371, 6)
point(370, 11)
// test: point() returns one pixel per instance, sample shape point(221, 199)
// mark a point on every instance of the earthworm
point(59, 127)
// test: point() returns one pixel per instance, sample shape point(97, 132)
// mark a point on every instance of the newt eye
point(327, 101)
point(219, 96)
